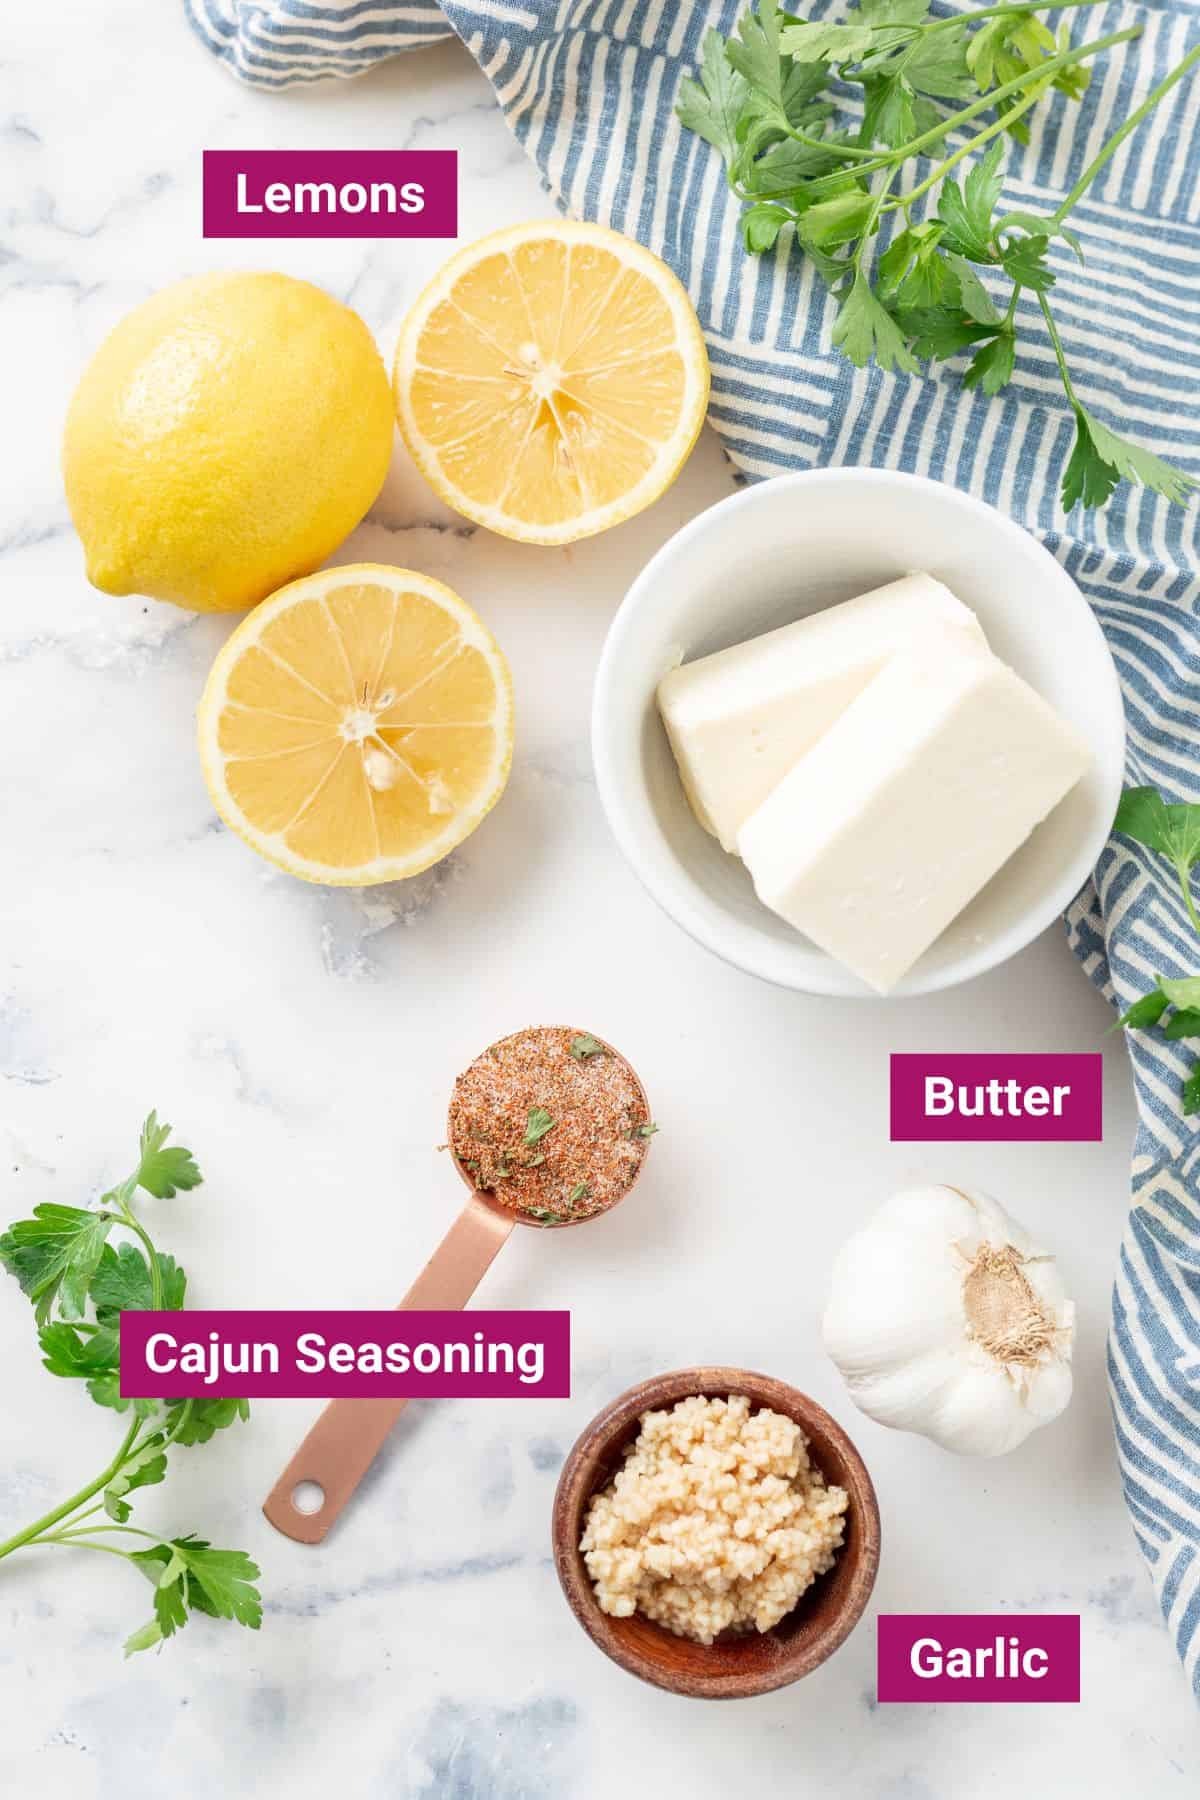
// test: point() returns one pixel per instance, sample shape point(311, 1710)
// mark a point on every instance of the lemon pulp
point(358, 725)
point(551, 381)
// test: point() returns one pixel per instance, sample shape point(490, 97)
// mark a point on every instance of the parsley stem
point(129, 1218)
point(918, 145)
point(66, 1537)
point(69, 1543)
point(993, 130)
point(816, 143)
point(78, 1518)
point(872, 218)
point(1182, 869)
point(992, 12)
point(185, 1413)
point(1059, 354)
point(1118, 137)
point(1050, 67)
point(69, 1511)
point(77, 1500)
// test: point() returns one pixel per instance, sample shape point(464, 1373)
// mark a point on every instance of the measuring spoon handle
point(349, 1434)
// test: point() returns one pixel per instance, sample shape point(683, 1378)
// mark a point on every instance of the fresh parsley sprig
point(66, 1265)
point(768, 99)
point(1174, 831)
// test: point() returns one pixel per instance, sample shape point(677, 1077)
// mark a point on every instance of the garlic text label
point(330, 193)
point(1036, 1098)
point(323, 1355)
point(978, 1656)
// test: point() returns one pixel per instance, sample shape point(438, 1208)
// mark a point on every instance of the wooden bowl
point(734, 1666)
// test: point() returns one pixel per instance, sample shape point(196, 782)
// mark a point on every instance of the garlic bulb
point(945, 1318)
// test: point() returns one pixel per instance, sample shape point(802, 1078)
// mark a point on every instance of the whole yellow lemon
point(224, 439)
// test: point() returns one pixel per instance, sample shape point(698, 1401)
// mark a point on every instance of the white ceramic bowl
point(790, 546)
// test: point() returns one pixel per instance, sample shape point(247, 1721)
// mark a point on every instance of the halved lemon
point(357, 725)
point(552, 380)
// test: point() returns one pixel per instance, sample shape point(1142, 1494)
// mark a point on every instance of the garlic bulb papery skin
point(946, 1318)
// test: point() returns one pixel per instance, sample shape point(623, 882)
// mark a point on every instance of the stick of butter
point(739, 719)
point(909, 804)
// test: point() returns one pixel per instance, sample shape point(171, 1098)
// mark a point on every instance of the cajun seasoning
point(551, 1122)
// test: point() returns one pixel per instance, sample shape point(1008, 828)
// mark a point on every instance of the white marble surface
point(305, 1043)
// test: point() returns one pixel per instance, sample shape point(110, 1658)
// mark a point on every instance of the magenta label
point(330, 193)
point(978, 1656)
point(1041, 1099)
point(323, 1355)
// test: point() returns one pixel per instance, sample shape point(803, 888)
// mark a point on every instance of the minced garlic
point(716, 1521)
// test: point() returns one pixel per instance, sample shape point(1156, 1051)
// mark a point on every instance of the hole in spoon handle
point(350, 1433)
point(333, 1459)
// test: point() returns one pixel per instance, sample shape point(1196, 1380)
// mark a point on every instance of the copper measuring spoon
point(350, 1433)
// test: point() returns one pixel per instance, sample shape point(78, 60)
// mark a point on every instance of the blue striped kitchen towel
point(588, 87)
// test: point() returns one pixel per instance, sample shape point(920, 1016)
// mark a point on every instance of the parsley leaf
point(937, 65)
point(864, 328)
point(939, 332)
point(1144, 815)
point(189, 1575)
point(1009, 45)
point(58, 1253)
point(895, 15)
point(1024, 259)
point(755, 55)
point(105, 1390)
point(204, 1418)
point(894, 112)
point(54, 1256)
point(1183, 1024)
point(974, 297)
point(822, 42)
point(713, 105)
point(1036, 225)
point(225, 1581)
point(145, 1468)
point(1174, 831)
point(1144, 1012)
point(899, 256)
point(762, 224)
point(967, 212)
point(927, 282)
point(835, 221)
point(122, 1283)
point(586, 1045)
point(69, 1352)
point(162, 1171)
point(879, 27)
point(1100, 459)
point(988, 57)
point(992, 364)
point(1190, 1091)
point(1184, 992)
point(787, 164)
